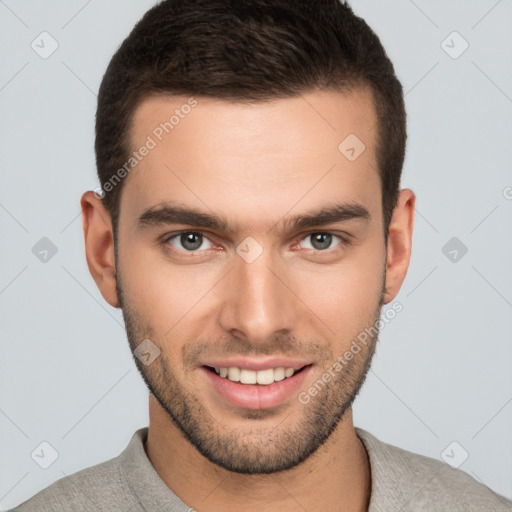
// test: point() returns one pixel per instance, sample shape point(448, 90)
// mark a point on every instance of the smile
point(255, 389)
point(245, 376)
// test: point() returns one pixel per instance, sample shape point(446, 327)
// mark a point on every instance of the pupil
point(321, 240)
point(191, 241)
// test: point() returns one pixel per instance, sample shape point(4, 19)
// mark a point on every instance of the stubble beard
point(254, 449)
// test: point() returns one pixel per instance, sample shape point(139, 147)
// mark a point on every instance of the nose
point(258, 302)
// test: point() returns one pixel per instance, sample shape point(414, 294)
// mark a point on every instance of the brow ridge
point(170, 213)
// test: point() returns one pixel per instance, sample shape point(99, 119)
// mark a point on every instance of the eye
point(189, 241)
point(319, 241)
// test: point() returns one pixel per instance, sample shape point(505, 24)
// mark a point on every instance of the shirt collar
point(151, 491)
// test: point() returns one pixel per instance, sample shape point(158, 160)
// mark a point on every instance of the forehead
point(315, 121)
point(252, 157)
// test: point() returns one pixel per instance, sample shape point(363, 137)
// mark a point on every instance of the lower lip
point(256, 396)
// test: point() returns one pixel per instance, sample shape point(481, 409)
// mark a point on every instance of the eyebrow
point(166, 214)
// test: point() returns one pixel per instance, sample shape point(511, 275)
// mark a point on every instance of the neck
point(337, 475)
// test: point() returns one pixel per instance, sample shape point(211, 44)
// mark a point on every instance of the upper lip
point(258, 364)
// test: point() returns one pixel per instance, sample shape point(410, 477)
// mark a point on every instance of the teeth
point(248, 376)
point(264, 377)
point(233, 374)
point(279, 374)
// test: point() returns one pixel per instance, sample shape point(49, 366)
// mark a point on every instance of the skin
point(256, 165)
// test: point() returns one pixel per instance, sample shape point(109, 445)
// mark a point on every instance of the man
point(251, 226)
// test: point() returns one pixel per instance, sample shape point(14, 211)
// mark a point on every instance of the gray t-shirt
point(401, 481)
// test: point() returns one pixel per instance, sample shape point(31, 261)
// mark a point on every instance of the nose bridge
point(257, 304)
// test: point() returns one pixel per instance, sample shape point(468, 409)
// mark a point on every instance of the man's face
point(259, 287)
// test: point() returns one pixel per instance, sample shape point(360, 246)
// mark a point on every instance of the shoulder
point(407, 481)
point(99, 487)
point(89, 489)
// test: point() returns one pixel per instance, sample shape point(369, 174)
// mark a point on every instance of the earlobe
point(99, 246)
point(399, 243)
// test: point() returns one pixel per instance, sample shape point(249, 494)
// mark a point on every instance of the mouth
point(255, 389)
point(264, 377)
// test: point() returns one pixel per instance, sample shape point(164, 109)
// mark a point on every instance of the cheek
point(344, 296)
point(163, 293)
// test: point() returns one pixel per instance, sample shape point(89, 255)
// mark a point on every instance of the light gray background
point(442, 371)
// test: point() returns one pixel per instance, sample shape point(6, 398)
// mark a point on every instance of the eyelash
point(344, 241)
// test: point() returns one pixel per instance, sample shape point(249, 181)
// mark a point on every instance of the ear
point(399, 243)
point(99, 245)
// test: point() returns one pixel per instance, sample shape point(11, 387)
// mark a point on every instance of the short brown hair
point(248, 50)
